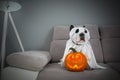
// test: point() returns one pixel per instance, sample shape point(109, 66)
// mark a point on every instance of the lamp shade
point(9, 6)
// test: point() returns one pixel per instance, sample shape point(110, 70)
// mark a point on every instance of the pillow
point(31, 60)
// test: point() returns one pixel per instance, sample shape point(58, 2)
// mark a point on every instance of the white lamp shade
point(9, 6)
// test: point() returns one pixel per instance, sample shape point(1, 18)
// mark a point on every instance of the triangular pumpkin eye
point(77, 56)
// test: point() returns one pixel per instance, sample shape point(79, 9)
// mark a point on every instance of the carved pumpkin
point(75, 61)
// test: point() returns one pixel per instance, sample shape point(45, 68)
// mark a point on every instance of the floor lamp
point(7, 7)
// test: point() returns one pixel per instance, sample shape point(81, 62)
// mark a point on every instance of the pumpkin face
point(75, 61)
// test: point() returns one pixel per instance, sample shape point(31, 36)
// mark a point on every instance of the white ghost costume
point(81, 45)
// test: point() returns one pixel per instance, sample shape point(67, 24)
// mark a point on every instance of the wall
point(36, 19)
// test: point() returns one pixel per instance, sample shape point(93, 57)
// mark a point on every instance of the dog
point(79, 40)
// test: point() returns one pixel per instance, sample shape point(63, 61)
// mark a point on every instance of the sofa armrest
point(31, 60)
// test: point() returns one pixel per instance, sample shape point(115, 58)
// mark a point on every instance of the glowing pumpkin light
point(75, 61)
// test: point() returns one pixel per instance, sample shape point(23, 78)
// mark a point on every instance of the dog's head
point(79, 35)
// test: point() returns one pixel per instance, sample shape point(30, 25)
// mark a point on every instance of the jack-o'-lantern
point(75, 61)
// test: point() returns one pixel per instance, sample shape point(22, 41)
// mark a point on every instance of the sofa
point(105, 41)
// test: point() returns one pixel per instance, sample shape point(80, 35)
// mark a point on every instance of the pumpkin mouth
point(75, 66)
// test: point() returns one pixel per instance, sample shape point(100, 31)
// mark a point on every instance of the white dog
point(79, 40)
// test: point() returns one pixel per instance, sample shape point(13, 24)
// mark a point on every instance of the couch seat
point(12, 73)
point(115, 66)
point(54, 71)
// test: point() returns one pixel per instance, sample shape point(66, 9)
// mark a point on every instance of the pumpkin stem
point(73, 49)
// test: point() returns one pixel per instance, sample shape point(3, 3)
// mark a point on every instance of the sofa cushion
point(111, 49)
point(110, 31)
point(62, 32)
point(61, 35)
point(110, 39)
point(32, 60)
point(12, 73)
point(60, 73)
point(115, 66)
point(57, 49)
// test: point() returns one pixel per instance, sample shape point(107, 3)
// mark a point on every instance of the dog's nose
point(81, 35)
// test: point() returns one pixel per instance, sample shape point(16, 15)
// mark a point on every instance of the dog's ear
point(71, 27)
point(83, 25)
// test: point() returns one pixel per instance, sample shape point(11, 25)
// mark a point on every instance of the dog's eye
point(85, 31)
point(77, 30)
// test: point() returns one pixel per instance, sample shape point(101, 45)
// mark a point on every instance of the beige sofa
point(105, 41)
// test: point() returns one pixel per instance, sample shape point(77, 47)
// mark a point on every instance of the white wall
point(36, 19)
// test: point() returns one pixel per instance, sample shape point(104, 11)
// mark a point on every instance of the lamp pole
point(8, 7)
point(4, 39)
